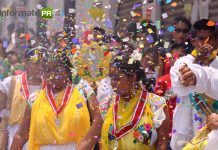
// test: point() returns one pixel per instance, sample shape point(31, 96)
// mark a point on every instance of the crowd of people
point(133, 90)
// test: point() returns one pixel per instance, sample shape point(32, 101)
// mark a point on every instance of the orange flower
point(136, 134)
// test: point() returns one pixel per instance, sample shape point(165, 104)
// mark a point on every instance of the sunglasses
point(184, 31)
point(203, 38)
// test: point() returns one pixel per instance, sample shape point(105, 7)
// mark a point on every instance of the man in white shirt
point(202, 80)
point(185, 123)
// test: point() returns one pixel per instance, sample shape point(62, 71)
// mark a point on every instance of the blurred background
point(80, 15)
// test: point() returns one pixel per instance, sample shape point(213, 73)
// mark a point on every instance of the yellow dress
point(74, 120)
point(142, 137)
point(199, 142)
point(18, 104)
point(17, 107)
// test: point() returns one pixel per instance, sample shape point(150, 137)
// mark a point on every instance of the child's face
point(149, 62)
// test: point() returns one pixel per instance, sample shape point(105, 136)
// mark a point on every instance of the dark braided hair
point(60, 54)
point(130, 69)
point(183, 20)
point(60, 57)
point(202, 25)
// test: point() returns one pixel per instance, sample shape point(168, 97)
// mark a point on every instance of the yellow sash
point(212, 56)
point(74, 120)
point(199, 142)
point(18, 105)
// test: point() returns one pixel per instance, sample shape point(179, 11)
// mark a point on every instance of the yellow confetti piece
point(96, 13)
point(150, 31)
point(141, 46)
point(131, 60)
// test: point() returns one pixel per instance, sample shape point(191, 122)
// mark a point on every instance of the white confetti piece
point(132, 13)
point(166, 44)
point(126, 39)
point(164, 15)
point(71, 10)
point(39, 6)
point(119, 1)
point(144, 2)
point(169, 55)
point(33, 42)
point(48, 32)
point(138, 25)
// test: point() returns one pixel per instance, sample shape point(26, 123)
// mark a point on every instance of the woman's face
point(55, 74)
point(148, 62)
point(121, 83)
point(34, 69)
point(13, 59)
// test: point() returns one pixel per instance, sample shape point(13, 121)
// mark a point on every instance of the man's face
point(34, 69)
point(180, 32)
point(203, 37)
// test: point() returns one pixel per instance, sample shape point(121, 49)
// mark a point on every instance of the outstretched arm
point(22, 134)
point(3, 121)
point(205, 79)
point(163, 132)
point(93, 135)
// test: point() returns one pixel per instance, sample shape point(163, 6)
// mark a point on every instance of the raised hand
point(212, 121)
point(187, 77)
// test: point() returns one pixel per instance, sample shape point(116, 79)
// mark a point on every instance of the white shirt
point(5, 86)
point(184, 124)
point(207, 82)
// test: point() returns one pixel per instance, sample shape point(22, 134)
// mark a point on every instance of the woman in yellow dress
point(136, 119)
point(61, 112)
point(14, 92)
